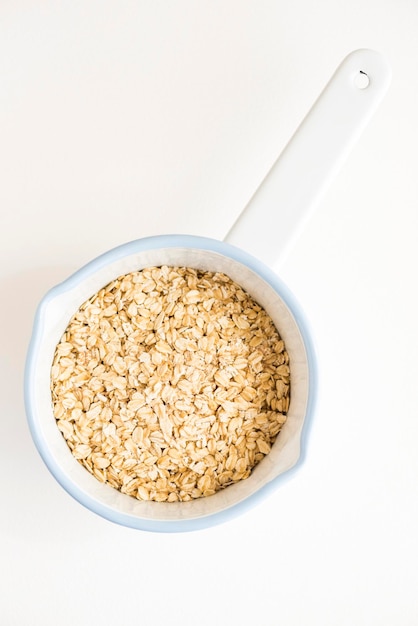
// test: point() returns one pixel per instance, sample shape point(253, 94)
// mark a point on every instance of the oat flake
point(170, 384)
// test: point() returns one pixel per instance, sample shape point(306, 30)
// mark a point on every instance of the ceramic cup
point(255, 244)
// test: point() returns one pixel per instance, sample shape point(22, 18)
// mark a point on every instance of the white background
point(125, 119)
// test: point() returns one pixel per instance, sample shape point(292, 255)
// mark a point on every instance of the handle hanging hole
point(361, 80)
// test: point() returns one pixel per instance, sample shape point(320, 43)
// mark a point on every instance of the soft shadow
point(21, 294)
point(28, 486)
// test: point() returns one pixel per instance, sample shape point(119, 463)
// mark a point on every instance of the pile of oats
point(170, 384)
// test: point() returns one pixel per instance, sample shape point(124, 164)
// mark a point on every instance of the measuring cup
point(260, 237)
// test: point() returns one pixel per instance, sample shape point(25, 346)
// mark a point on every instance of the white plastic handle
point(297, 181)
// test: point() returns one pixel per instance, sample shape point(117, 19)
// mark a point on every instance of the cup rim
point(112, 255)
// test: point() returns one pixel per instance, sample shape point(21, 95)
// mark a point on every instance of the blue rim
point(150, 243)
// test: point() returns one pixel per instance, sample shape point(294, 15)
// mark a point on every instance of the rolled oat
point(170, 384)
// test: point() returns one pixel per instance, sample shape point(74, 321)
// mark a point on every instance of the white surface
point(120, 120)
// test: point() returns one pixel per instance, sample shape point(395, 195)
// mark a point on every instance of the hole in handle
point(361, 80)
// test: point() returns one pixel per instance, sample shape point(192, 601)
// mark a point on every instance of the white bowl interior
point(57, 313)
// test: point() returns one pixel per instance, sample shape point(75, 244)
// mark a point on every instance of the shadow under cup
point(52, 318)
